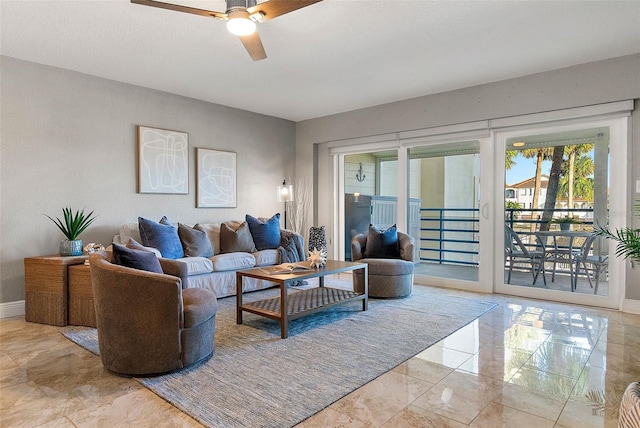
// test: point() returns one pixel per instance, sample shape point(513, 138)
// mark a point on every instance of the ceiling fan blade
point(253, 45)
point(274, 8)
point(180, 8)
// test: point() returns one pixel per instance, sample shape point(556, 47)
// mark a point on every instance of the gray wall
point(594, 83)
point(70, 139)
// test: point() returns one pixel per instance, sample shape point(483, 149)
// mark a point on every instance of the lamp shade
point(285, 192)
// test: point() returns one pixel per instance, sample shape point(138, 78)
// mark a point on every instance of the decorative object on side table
point(318, 258)
point(92, 247)
point(317, 238)
point(72, 226)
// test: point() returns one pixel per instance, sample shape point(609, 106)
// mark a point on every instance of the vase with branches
point(298, 209)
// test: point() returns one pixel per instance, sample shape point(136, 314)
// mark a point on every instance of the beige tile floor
point(526, 364)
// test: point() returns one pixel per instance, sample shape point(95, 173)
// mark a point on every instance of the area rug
point(257, 379)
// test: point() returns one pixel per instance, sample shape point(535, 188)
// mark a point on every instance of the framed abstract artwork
point(215, 179)
point(163, 161)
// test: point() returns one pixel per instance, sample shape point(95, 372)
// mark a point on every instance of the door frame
point(618, 127)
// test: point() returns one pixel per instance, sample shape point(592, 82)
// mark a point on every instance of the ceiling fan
point(241, 17)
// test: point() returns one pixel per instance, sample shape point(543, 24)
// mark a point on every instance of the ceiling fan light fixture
point(257, 17)
point(240, 24)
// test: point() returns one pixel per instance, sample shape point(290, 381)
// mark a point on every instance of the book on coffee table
point(286, 268)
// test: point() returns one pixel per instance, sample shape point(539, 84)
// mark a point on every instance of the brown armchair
point(388, 277)
point(147, 324)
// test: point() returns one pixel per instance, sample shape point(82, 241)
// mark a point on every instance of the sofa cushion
point(135, 245)
point(163, 236)
point(266, 257)
point(129, 230)
point(236, 240)
point(232, 261)
point(197, 265)
point(265, 232)
point(382, 244)
point(213, 232)
point(195, 243)
point(136, 259)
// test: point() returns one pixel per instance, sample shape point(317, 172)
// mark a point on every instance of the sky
point(524, 169)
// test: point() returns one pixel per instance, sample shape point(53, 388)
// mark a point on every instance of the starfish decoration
point(318, 258)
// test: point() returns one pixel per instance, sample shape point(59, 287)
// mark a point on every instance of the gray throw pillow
point(236, 240)
point(382, 244)
point(135, 245)
point(135, 259)
point(195, 243)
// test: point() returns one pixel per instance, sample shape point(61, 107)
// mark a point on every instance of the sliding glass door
point(438, 205)
point(558, 183)
point(446, 185)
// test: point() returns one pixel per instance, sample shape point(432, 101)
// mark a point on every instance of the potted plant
point(72, 226)
point(628, 239)
point(565, 222)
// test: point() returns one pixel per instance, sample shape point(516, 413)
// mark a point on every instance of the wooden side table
point(46, 288)
point(81, 308)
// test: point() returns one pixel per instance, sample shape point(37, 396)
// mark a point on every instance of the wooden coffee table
point(300, 302)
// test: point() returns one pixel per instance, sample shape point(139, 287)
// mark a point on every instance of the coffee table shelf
point(299, 303)
point(302, 302)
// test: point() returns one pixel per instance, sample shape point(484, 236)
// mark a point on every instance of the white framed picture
point(163, 161)
point(215, 179)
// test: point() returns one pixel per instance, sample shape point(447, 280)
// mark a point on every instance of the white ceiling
point(331, 57)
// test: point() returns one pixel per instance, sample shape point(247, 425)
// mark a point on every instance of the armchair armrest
point(406, 244)
point(174, 268)
point(358, 243)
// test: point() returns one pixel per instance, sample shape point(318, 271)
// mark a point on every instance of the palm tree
point(540, 154)
point(510, 159)
point(576, 180)
point(557, 160)
point(573, 152)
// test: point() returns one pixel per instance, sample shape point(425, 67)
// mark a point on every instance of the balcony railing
point(451, 235)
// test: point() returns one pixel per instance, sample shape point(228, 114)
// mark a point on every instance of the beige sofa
point(218, 273)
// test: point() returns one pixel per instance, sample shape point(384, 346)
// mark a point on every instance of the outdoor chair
point(592, 261)
point(516, 252)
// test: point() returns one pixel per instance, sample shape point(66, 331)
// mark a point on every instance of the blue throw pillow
point(164, 237)
point(136, 259)
point(265, 233)
point(382, 244)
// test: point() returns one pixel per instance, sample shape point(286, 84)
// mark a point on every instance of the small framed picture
point(215, 179)
point(163, 161)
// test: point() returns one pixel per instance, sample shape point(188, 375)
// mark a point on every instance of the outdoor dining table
point(560, 251)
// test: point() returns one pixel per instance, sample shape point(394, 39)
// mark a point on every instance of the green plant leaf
point(73, 224)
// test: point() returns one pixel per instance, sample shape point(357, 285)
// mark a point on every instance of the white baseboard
point(12, 309)
point(631, 306)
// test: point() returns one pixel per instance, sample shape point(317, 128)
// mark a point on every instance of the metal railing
point(519, 216)
point(451, 235)
point(449, 232)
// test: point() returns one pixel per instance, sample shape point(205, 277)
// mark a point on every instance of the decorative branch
point(297, 209)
